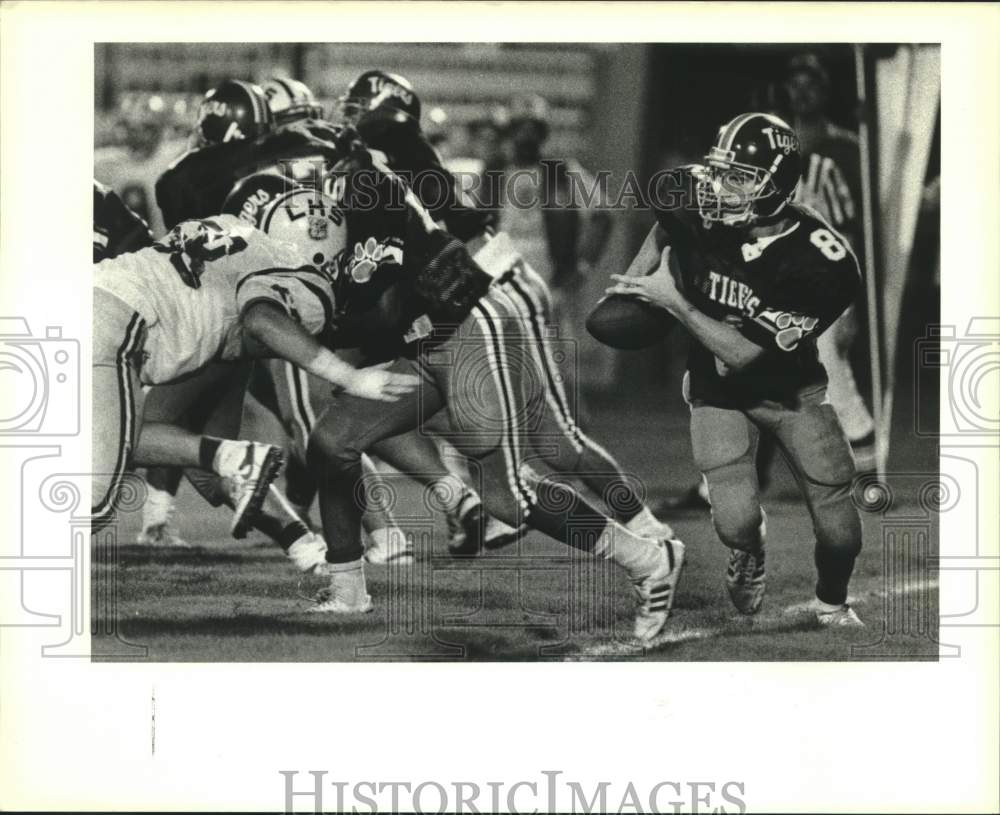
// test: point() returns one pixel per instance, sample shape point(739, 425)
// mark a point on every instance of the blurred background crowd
point(615, 109)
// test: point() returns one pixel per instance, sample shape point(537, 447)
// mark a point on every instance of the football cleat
point(389, 545)
point(845, 616)
point(156, 515)
point(498, 534)
point(465, 526)
point(655, 592)
point(247, 469)
point(347, 592)
point(746, 580)
point(308, 552)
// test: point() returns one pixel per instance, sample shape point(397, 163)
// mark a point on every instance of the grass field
point(225, 600)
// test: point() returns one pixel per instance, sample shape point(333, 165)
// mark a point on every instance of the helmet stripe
point(288, 90)
point(260, 116)
point(726, 141)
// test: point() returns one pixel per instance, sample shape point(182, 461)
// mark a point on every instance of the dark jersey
point(416, 161)
point(405, 284)
point(781, 292)
point(196, 184)
point(117, 229)
point(400, 281)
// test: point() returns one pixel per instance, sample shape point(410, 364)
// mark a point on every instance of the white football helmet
point(290, 100)
point(310, 221)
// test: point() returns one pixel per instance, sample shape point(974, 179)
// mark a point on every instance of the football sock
point(639, 556)
point(282, 533)
point(300, 484)
point(206, 452)
point(450, 492)
point(821, 606)
point(566, 516)
point(834, 568)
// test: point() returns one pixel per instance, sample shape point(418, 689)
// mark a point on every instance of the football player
point(296, 398)
point(117, 229)
point(236, 138)
point(214, 290)
point(412, 295)
point(236, 133)
point(755, 279)
point(385, 109)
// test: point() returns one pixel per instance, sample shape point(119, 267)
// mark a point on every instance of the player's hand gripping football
point(381, 385)
point(658, 289)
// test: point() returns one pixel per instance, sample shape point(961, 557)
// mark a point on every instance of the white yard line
point(777, 621)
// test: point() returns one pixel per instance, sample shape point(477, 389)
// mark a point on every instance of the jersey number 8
point(831, 247)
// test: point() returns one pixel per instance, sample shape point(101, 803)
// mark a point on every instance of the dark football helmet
point(751, 171)
point(380, 98)
point(290, 100)
point(231, 111)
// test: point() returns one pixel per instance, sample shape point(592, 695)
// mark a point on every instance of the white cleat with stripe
point(247, 469)
point(843, 617)
point(655, 592)
point(347, 592)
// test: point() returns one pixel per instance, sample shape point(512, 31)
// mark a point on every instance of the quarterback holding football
point(755, 279)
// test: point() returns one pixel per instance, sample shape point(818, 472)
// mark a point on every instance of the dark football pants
point(560, 443)
point(298, 398)
point(119, 334)
point(484, 375)
point(812, 441)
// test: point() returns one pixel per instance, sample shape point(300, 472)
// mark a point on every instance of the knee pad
point(737, 516)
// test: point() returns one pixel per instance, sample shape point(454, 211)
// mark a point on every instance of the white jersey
point(192, 287)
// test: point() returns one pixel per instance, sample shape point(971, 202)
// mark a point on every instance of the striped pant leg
point(495, 401)
point(567, 449)
point(119, 334)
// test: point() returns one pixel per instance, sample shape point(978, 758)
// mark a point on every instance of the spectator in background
point(548, 208)
point(831, 184)
point(483, 153)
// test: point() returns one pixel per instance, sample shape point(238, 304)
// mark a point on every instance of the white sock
point(644, 519)
point(228, 456)
point(827, 607)
point(638, 555)
point(158, 507)
point(451, 491)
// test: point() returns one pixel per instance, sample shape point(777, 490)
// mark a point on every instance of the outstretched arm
point(269, 324)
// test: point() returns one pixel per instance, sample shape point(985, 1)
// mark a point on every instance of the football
point(622, 322)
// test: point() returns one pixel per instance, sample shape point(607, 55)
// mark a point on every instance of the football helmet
point(232, 111)
point(290, 100)
point(305, 218)
point(751, 171)
point(378, 97)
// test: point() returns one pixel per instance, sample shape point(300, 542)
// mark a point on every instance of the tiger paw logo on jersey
point(366, 260)
point(788, 327)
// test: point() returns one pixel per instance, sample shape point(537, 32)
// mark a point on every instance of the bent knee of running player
point(724, 444)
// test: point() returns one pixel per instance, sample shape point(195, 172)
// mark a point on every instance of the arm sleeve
point(304, 294)
point(803, 309)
